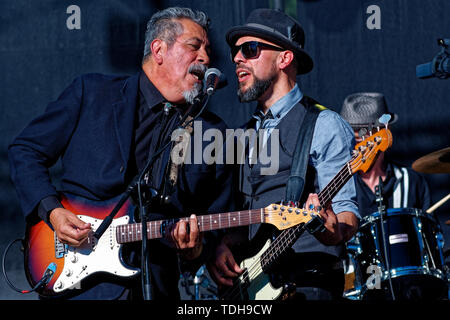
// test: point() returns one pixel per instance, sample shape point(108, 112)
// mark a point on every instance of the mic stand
point(145, 263)
point(137, 182)
point(382, 212)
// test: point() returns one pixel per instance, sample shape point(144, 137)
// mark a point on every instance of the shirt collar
point(280, 108)
point(151, 95)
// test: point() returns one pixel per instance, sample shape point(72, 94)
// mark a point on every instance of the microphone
point(214, 80)
point(439, 67)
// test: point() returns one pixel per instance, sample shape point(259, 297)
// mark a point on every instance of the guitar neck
point(332, 188)
point(155, 229)
point(288, 237)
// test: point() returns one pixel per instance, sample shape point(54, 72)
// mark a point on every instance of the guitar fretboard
point(288, 237)
point(155, 229)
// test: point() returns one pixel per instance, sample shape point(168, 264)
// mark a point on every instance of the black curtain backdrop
point(40, 56)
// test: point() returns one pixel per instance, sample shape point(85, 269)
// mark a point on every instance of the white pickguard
point(260, 287)
point(93, 256)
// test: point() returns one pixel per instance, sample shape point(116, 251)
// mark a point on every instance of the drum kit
point(398, 254)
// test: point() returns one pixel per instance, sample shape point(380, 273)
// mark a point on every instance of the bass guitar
point(254, 283)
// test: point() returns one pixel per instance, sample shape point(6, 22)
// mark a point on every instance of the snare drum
point(407, 246)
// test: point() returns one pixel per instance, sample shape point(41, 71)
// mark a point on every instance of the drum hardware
point(352, 278)
point(198, 286)
point(382, 211)
point(423, 243)
point(427, 257)
point(376, 259)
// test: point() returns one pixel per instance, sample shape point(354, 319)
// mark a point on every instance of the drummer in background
point(401, 187)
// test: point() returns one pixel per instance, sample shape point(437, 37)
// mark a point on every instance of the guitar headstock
point(367, 150)
point(285, 217)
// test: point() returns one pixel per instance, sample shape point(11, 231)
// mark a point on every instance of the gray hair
point(163, 25)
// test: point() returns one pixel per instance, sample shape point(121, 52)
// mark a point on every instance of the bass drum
point(399, 256)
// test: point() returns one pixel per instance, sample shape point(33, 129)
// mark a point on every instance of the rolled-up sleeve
point(331, 148)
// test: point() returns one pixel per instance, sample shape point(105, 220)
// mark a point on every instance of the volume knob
point(59, 285)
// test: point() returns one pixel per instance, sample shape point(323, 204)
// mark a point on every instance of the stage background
point(40, 56)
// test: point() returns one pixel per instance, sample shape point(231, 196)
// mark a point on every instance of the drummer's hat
point(363, 109)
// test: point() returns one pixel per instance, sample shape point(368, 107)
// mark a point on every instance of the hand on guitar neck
point(68, 227)
point(339, 228)
point(186, 237)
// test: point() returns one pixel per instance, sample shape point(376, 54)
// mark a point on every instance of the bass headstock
point(366, 151)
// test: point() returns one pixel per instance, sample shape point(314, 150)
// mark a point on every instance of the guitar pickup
point(315, 224)
point(60, 248)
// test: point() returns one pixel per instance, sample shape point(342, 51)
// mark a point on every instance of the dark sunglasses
point(252, 49)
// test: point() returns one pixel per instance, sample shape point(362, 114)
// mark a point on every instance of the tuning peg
point(362, 133)
point(370, 126)
point(384, 119)
point(291, 204)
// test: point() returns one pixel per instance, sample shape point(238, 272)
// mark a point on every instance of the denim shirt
point(279, 109)
point(331, 147)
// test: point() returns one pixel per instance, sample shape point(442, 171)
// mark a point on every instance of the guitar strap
point(296, 181)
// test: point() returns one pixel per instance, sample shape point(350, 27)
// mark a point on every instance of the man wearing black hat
point(268, 54)
point(401, 186)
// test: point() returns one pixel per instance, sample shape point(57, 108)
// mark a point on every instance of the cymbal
point(435, 162)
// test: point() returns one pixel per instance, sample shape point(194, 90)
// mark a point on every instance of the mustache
point(198, 69)
point(240, 66)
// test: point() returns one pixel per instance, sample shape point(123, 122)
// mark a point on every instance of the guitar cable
point(42, 282)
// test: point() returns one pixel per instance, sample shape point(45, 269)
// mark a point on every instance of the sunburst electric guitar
point(254, 283)
point(66, 268)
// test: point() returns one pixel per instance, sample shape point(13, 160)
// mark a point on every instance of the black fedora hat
point(363, 109)
point(277, 27)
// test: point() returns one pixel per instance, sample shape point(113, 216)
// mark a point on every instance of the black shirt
point(149, 135)
point(418, 193)
point(154, 127)
point(200, 186)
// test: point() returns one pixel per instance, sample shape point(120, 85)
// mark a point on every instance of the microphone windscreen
point(212, 71)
